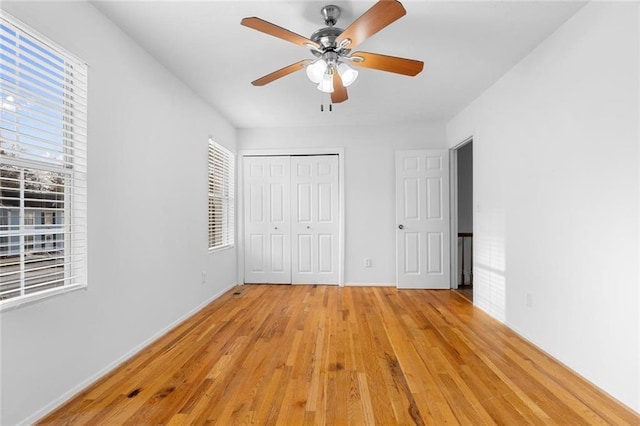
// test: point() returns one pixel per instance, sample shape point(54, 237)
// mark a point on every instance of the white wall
point(556, 190)
point(147, 217)
point(369, 163)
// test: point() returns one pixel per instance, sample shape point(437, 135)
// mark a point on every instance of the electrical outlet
point(367, 263)
point(529, 300)
point(204, 277)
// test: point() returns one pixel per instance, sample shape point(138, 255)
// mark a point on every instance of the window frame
point(220, 188)
point(57, 223)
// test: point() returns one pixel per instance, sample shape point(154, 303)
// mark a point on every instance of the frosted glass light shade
point(326, 85)
point(316, 69)
point(347, 74)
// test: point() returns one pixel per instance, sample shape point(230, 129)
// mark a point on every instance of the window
point(43, 135)
point(221, 196)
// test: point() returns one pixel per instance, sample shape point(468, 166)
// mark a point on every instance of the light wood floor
point(325, 355)
point(466, 291)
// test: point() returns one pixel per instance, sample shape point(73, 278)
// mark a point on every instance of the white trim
point(62, 399)
point(222, 248)
point(524, 336)
point(15, 303)
point(453, 170)
point(288, 151)
point(637, 408)
point(370, 284)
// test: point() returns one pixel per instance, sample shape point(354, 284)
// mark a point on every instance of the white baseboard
point(369, 284)
point(524, 337)
point(94, 377)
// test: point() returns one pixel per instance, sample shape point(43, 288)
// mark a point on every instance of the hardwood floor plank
point(372, 368)
point(388, 380)
point(365, 401)
point(284, 355)
point(420, 380)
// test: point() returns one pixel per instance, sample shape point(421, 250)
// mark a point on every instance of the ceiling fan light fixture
point(332, 46)
point(326, 85)
point(316, 70)
point(347, 74)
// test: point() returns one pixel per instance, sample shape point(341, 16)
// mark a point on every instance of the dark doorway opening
point(464, 170)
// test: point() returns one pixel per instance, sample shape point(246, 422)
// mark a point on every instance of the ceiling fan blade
point(380, 15)
point(394, 64)
point(276, 31)
point(339, 93)
point(281, 72)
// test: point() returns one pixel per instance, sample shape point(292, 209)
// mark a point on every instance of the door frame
point(453, 211)
point(287, 152)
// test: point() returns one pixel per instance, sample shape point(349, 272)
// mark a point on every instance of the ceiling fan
point(333, 47)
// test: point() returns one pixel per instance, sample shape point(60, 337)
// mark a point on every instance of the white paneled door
point(291, 217)
point(422, 216)
point(314, 219)
point(267, 220)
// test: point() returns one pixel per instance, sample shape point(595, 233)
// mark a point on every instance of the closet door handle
point(400, 226)
point(308, 227)
point(275, 227)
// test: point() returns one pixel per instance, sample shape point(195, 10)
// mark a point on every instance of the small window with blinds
point(43, 165)
point(221, 196)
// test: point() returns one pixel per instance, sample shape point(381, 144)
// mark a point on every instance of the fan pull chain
point(322, 107)
point(324, 96)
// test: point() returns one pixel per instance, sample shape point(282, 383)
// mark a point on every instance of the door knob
point(308, 227)
point(275, 227)
point(400, 226)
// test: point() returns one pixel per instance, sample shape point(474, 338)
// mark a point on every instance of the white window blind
point(221, 196)
point(43, 165)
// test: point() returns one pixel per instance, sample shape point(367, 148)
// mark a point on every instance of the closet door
point(267, 220)
point(314, 219)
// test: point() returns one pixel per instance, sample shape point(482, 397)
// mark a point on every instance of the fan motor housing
point(326, 37)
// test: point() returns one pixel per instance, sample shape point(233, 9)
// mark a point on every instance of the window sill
point(11, 304)
point(223, 248)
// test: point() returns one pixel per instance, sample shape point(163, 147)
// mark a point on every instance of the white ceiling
point(466, 47)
